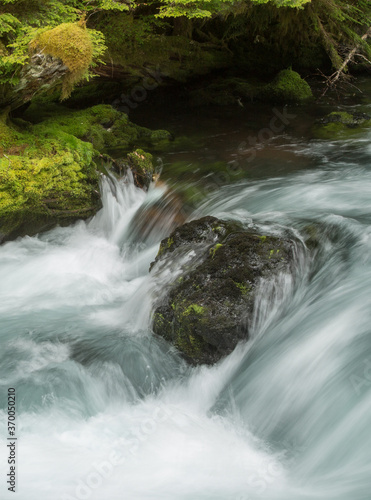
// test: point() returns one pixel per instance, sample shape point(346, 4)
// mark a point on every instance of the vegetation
point(287, 87)
point(71, 43)
point(49, 162)
point(50, 47)
point(79, 31)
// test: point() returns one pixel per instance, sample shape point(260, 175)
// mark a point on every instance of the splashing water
point(106, 410)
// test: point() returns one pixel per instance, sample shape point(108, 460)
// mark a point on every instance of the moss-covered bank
point(287, 87)
point(49, 163)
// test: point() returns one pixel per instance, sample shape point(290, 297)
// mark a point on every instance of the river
point(107, 411)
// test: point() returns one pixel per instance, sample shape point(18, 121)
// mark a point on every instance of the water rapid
point(108, 411)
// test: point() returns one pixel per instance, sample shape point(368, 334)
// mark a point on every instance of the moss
point(142, 167)
point(160, 136)
point(273, 252)
point(225, 91)
point(342, 117)
point(71, 43)
point(44, 174)
point(341, 125)
point(214, 249)
point(244, 289)
point(194, 308)
point(191, 345)
point(287, 87)
point(133, 45)
point(102, 125)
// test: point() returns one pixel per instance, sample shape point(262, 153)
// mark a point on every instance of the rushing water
point(107, 411)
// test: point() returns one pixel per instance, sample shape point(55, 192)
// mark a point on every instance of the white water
point(108, 411)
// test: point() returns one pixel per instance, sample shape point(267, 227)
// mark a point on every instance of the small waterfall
point(105, 409)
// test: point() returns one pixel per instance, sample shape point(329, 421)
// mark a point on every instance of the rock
point(340, 124)
point(205, 312)
point(42, 74)
point(49, 164)
point(287, 87)
point(141, 165)
point(102, 125)
point(349, 119)
point(228, 91)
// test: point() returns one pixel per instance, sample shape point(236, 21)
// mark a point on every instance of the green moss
point(160, 136)
point(165, 246)
point(339, 130)
point(142, 167)
point(71, 43)
point(133, 44)
point(214, 249)
point(102, 125)
point(191, 345)
point(273, 252)
point(287, 87)
point(194, 308)
point(225, 91)
point(244, 289)
point(44, 173)
point(342, 117)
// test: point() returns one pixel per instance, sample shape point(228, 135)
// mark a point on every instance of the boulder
point(340, 125)
point(204, 312)
point(287, 87)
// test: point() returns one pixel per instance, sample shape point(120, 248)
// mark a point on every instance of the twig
point(332, 79)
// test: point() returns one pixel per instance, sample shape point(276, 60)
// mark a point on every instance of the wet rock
point(287, 87)
point(42, 74)
point(141, 164)
point(340, 125)
point(205, 312)
point(227, 91)
point(49, 165)
point(349, 119)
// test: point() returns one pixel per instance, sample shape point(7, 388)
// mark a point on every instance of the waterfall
point(105, 409)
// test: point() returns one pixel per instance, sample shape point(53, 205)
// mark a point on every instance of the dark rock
point(205, 312)
point(287, 87)
point(340, 125)
point(42, 74)
point(348, 119)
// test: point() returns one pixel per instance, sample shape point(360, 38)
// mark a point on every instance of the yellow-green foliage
point(44, 173)
point(71, 43)
point(47, 163)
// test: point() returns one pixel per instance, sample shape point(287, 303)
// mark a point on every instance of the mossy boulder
point(103, 126)
point(45, 178)
point(49, 164)
point(340, 125)
point(205, 312)
point(141, 164)
point(227, 91)
point(71, 43)
point(287, 87)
